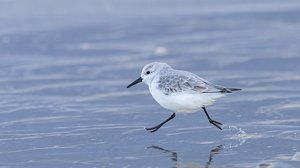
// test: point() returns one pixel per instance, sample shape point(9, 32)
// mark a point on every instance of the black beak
point(140, 79)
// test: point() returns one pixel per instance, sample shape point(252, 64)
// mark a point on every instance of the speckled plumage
point(173, 81)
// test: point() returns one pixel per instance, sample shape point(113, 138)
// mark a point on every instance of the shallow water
point(65, 68)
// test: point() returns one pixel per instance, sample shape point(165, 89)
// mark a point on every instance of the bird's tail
point(229, 90)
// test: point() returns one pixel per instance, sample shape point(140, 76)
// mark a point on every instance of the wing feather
point(182, 81)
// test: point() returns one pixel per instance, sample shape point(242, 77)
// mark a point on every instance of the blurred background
point(65, 65)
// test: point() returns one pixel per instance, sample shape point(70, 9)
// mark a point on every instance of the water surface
point(65, 67)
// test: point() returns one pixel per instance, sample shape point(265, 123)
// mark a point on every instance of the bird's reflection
point(174, 157)
point(213, 152)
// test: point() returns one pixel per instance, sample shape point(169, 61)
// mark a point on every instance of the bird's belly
point(184, 102)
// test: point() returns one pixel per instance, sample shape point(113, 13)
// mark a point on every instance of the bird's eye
point(148, 72)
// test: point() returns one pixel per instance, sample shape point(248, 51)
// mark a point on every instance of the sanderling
point(180, 91)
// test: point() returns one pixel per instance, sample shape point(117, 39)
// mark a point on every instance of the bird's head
point(149, 72)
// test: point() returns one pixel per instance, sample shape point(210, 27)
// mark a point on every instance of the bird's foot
point(152, 129)
point(216, 123)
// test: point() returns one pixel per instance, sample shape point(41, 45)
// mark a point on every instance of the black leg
point(213, 122)
point(153, 129)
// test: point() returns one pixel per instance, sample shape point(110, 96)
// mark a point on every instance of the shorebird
point(180, 91)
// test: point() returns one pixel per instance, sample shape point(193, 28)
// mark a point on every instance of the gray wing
point(182, 81)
